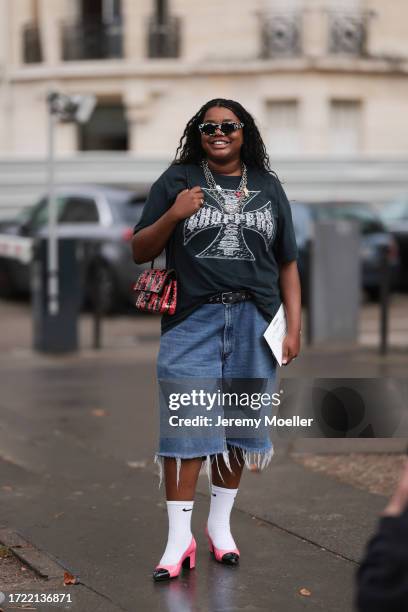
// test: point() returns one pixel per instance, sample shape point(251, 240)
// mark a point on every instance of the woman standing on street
point(225, 222)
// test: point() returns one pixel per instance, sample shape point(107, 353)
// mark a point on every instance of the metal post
point(97, 319)
point(52, 251)
point(384, 299)
point(308, 295)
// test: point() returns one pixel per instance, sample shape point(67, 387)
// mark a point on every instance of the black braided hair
point(253, 151)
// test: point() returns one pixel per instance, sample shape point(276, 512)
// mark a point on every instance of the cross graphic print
point(228, 214)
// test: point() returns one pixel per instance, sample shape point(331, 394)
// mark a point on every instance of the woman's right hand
point(187, 202)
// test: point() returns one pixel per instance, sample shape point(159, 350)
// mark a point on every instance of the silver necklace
point(242, 190)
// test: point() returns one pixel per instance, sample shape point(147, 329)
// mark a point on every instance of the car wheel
point(105, 292)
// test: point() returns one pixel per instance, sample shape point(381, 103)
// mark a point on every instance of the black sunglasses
point(226, 127)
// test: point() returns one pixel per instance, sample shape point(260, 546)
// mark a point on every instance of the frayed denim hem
point(205, 468)
point(260, 458)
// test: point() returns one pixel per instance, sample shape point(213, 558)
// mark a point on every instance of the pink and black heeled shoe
point(228, 557)
point(187, 560)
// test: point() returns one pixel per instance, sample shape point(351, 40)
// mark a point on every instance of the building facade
point(322, 77)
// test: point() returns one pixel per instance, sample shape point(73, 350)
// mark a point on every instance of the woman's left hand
point(290, 348)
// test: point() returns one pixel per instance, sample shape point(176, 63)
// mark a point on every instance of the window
point(302, 223)
point(31, 39)
point(369, 222)
point(79, 210)
point(347, 27)
point(105, 11)
point(39, 216)
point(96, 34)
point(280, 29)
point(163, 32)
point(107, 129)
point(112, 11)
point(131, 211)
point(283, 132)
point(394, 211)
point(345, 126)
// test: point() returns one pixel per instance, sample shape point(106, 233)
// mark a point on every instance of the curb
point(39, 561)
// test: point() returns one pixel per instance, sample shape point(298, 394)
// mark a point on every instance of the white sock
point(179, 537)
point(218, 523)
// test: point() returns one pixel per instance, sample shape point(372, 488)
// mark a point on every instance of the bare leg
point(189, 470)
point(231, 479)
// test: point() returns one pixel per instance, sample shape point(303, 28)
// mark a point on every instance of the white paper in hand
point(275, 333)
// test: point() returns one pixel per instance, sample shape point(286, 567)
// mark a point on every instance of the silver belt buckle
point(226, 293)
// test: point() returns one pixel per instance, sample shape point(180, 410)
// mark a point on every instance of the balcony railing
point(348, 33)
point(92, 41)
point(32, 52)
point(163, 39)
point(280, 34)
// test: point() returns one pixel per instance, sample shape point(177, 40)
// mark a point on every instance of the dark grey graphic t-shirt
point(225, 245)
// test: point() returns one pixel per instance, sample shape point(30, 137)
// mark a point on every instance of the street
point(77, 438)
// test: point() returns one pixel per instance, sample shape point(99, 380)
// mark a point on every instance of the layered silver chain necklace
point(240, 193)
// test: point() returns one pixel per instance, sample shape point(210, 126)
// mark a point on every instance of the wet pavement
point(77, 437)
point(85, 490)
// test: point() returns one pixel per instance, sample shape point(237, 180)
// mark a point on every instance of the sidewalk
point(77, 436)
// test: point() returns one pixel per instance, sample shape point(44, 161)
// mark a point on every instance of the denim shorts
point(217, 342)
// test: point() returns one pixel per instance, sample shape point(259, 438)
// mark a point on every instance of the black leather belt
point(230, 297)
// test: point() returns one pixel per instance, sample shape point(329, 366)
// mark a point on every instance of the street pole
point(52, 251)
point(69, 109)
point(384, 299)
point(56, 287)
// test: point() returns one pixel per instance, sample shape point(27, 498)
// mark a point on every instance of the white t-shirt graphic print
point(227, 212)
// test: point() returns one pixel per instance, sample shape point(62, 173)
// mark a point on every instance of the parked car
point(97, 216)
point(394, 215)
point(374, 236)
